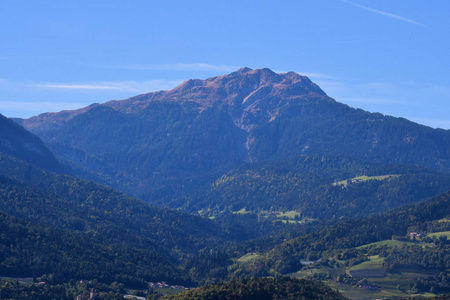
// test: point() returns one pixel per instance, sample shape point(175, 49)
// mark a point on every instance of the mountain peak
point(238, 87)
point(267, 77)
point(243, 70)
point(264, 74)
point(187, 85)
point(246, 70)
point(293, 76)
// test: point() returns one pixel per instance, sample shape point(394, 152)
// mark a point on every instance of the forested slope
point(33, 250)
point(322, 187)
point(422, 217)
point(72, 228)
point(261, 289)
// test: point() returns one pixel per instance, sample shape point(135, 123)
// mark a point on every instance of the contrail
point(383, 13)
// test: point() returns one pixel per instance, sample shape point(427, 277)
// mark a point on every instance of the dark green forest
point(11, 290)
point(307, 184)
point(75, 229)
point(33, 250)
point(260, 289)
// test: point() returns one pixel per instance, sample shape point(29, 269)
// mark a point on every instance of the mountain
point(16, 141)
point(160, 145)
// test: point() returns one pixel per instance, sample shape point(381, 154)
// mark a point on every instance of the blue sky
point(383, 56)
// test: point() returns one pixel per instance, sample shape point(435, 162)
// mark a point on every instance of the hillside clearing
point(248, 257)
point(440, 234)
point(364, 178)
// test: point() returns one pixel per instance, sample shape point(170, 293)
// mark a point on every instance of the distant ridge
point(20, 143)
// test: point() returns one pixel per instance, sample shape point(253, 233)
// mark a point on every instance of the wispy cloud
point(26, 109)
point(128, 86)
point(317, 75)
point(370, 100)
point(178, 67)
point(5, 84)
point(386, 14)
point(377, 85)
point(37, 106)
point(17, 57)
point(76, 86)
point(310, 74)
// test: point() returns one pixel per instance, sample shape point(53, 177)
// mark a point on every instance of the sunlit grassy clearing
point(365, 178)
point(439, 234)
point(390, 243)
point(375, 262)
point(248, 257)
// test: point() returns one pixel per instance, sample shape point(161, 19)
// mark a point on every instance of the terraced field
point(378, 282)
